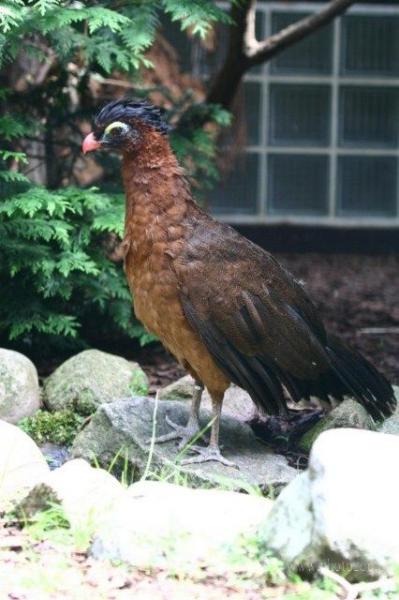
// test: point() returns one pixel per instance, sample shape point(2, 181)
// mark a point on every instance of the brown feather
point(223, 306)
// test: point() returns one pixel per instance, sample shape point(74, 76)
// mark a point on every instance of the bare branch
point(259, 52)
point(244, 51)
point(250, 43)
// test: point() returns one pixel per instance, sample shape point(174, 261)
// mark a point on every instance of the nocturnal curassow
point(224, 307)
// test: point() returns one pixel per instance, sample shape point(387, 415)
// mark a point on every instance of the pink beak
point(90, 143)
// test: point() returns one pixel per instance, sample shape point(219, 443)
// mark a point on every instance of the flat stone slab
point(125, 427)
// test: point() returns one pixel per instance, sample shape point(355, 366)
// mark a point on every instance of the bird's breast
point(155, 291)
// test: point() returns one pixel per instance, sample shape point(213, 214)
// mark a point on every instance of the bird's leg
point(185, 434)
point(212, 451)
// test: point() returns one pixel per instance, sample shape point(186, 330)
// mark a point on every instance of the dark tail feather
point(345, 372)
point(361, 379)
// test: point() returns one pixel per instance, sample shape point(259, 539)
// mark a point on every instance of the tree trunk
point(226, 83)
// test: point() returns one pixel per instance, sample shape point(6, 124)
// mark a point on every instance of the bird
point(224, 307)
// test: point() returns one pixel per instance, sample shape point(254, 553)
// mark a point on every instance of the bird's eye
point(116, 128)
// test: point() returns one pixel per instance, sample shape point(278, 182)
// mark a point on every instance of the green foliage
point(58, 286)
point(108, 34)
point(195, 14)
point(59, 427)
point(195, 145)
point(54, 272)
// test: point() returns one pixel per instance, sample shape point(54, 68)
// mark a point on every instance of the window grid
point(267, 78)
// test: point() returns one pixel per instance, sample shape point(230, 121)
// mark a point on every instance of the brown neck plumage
point(157, 195)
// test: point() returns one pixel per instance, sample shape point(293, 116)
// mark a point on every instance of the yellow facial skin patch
point(116, 125)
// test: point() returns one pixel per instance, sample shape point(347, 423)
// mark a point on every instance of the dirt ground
point(357, 296)
point(358, 300)
point(49, 570)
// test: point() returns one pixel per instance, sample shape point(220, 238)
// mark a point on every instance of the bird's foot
point(183, 433)
point(284, 432)
point(206, 454)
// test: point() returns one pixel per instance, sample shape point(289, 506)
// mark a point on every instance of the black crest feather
point(125, 110)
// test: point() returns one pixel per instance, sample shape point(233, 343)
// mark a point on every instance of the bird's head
point(123, 125)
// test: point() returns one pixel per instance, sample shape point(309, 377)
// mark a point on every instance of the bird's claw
point(206, 454)
point(183, 433)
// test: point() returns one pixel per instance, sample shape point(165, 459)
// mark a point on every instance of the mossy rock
point(347, 414)
point(92, 378)
point(182, 389)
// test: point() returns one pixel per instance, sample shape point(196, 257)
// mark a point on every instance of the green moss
point(59, 427)
point(138, 384)
point(85, 404)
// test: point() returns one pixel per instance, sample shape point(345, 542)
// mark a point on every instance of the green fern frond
point(17, 156)
point(11, 128)
point(98, 16)
point(11, 15)
point(198, 15)
point(44, 6)
point(13, 177)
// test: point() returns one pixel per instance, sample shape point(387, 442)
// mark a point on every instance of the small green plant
point(52, 524)
point(45, 522)
point(121, 468)
point(59, 427)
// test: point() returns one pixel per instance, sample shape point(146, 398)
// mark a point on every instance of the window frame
point(266, 77)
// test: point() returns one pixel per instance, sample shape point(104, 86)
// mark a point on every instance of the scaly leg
point(212, 451)
point(185, 434)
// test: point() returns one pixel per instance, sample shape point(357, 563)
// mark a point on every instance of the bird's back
point(260, 326)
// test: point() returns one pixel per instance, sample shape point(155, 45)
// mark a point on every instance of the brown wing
point(258, 323)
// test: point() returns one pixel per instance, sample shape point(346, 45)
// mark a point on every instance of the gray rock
point(125, 427)
point(391, 425)
point(55, 454)
point(348, 413)
point(342, 511)
point(86, 494)
point(22, 465)
point(19, 386)
point(237, 403)
point(158, 524)
point(92, 378)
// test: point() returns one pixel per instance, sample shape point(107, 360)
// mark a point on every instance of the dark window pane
point(367, 185)
point(251, 111)
point(369, 117)
point(297, 184)
point(370, 45)
point(311, 55)
point(246, 127)
point(299, 115)
point(237, 191)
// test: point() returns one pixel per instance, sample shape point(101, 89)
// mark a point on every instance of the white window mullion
point(334, 120)
point(264, 126)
